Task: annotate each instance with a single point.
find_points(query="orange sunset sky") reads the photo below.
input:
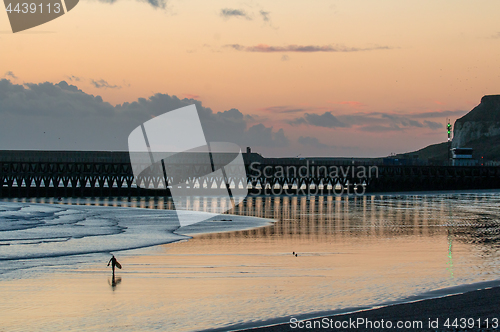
(338, 78)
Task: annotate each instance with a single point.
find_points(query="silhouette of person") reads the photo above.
(114, 263)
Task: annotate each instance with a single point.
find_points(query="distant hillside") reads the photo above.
(435, 151)
(486, 147)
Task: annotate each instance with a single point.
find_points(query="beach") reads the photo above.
(352, 254)
(479, 308)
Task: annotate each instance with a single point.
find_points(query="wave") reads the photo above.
(31, 231)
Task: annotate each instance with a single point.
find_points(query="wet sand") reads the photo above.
(221, 280)
(352, 253)
(480, 304)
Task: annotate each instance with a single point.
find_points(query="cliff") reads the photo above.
(480, 123)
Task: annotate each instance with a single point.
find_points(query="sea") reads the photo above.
(266, 261)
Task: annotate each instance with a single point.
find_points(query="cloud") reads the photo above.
(312, 141)
(297, 121)
(413, 123)
(379, 128)
(102, 84)
(433, 125)
(191, 96)
(260, 135)
(265, 16)
(238, 13)
(282, 109)
(157, 4)
(496, 36)
(48, 116)
(383, 122)
(401, 121)
(379, 121)
(227, 126)
(73, 78)
(438, 114)
(364, 121)
(227, 13)
(263, 48)
(237, 47)
(326, 119)
(10, 74)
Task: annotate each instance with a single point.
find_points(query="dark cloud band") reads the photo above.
(327, 120)
(48, 116)
(102, 84)
(263, 48)
(158, 4)
(227, 13)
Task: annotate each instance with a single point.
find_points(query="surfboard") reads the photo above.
(118, 265)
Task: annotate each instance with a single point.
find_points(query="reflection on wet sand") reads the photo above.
(114, 281)
(471, 219)
(468, 217)
(351, 251)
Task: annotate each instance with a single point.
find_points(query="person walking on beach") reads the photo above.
(114, 263)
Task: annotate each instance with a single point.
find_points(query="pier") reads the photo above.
(109, 174)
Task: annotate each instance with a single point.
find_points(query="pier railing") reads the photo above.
(89, 174)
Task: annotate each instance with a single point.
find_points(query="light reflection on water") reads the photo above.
(352, 251)
(469, 218)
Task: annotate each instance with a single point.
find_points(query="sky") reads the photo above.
(286, 77)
